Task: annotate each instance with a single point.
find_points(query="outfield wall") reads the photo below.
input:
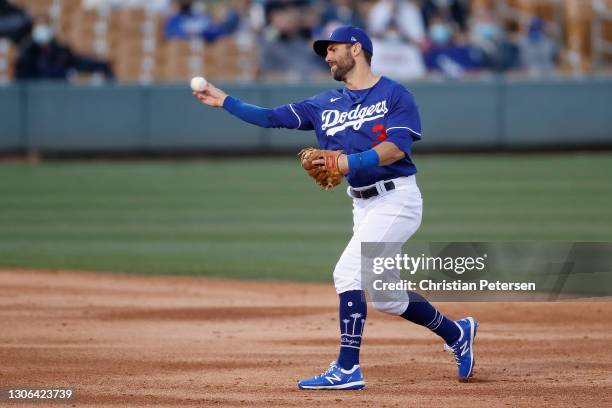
(494, 114)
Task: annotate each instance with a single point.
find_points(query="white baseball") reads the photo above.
(198, 84)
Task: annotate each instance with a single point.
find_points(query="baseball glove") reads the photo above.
(328, 175)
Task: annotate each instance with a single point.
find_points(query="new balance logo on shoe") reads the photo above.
(465, 347)
(333, 378)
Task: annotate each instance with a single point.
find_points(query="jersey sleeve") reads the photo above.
(293, 116)
(403, 123)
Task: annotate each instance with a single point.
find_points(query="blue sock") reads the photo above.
(421, 312)
(353, 313)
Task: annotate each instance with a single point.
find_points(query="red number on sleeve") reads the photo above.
(382, 133)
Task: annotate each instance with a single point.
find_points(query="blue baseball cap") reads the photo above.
(344, 34)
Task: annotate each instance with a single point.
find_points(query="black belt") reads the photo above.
(372, 191)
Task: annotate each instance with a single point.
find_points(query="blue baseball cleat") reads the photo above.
(463, 349)
(335, 378)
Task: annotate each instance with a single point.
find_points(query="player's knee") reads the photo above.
(344, 285)
(345, 281)
(393, 308)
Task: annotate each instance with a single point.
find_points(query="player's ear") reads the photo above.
(356, 49)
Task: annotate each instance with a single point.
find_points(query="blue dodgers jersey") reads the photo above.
(356, 121)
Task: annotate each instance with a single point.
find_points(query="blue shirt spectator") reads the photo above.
(447, 56)
(43, 57)
(190, 21)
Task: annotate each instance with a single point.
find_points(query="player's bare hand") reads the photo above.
(211, 96)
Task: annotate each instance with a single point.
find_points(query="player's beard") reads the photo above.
(344, 65)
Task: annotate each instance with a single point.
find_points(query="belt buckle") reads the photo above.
(363, 194)
(378, 188)
(356, 193)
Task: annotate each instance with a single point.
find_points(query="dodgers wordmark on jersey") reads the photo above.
(357, 120)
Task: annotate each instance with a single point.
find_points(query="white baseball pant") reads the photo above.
(391, 216)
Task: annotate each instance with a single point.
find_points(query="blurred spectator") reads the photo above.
(510, 55)
(447, 55)
(310, 18)
(538, 51)
(191, 21)
(15, 23)
(340, 13)
(397, 59)
(285, 44)
(397, 33)
(397, 16)
(497, 51)
(157, 5)
(247, 16)
(43, 57)
(454, 10)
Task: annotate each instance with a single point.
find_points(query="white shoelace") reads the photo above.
(453, 350)
(332, 365)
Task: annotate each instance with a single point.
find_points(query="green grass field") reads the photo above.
(263, 218)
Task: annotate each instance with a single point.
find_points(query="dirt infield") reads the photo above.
(156, 341)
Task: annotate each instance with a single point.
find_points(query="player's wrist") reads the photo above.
(363, 160)
(343, 165)
(229, 101)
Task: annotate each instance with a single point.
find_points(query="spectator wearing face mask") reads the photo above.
(44, 57)
(191, 21)
(15, 23)
(447, 56)
(497, 51)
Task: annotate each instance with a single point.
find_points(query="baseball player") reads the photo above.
(365, 133)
